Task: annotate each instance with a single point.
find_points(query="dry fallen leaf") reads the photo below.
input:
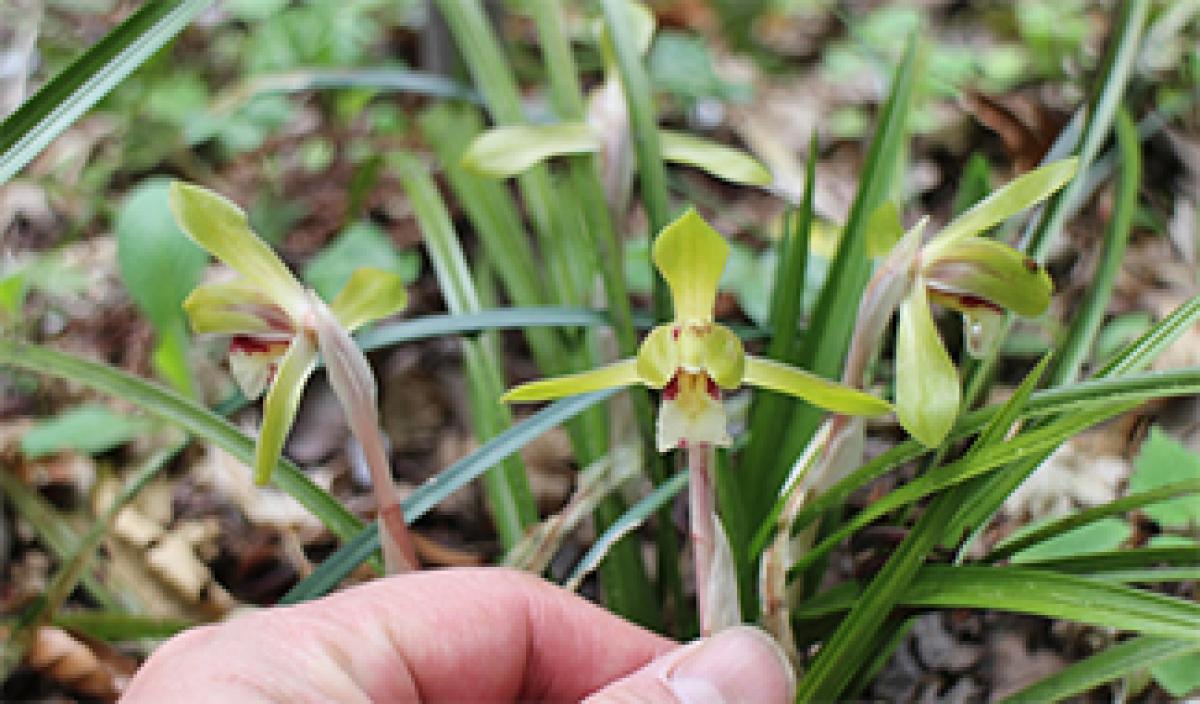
(76, 665)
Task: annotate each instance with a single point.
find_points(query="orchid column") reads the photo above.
(693, 361)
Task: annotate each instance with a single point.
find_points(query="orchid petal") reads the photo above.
(927, 386)
(714, 350)
(977, 272)
(705, 347)
(233, 308)
(506, 151)
(622, 373)
(279, 410)
(786, 379)
(691, 256)
(1022, 192)
(219, 226)
(369, 295)
(658, 357)
(717, 159)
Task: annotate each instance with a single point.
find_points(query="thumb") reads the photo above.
(739, 664)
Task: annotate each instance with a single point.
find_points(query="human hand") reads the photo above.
(461, 635)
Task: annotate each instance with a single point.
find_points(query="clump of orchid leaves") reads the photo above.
(693, 360)
(958, 268)
(278, 328)
(509, 150)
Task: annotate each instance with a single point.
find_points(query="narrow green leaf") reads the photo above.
(1037, 592)
(506, 151)
(1120, 560)
(631, 519)
(184, 413)
(1179, 675)
(1086, 320)
(620, 26)
(359, 547)
(508, 492)
(89, 78)
(824, 347)
(400, 80)
(1114, 662)
(1023, 540)
(116, 627)
(1098, 536)
(91, 429)
(986, 459)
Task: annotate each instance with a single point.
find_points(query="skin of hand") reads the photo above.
(459, 635)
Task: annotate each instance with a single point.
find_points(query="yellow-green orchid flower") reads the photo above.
(277, 326)
(693, 359)
(508, 150)
(981, 278)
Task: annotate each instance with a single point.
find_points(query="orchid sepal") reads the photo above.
(220, 226)
(369, 294)
(928, 394)
(281, 404)
(617, 374)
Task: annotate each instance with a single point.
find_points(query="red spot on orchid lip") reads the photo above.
(1030, 265)
(675, 333)
(960, 299)
(671, 390)
(968, 300)
(248, 344)
(713, 390)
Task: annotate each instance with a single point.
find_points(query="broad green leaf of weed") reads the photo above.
(1162, 460)
(159, 264)
(361, 244)
(1098, 536)
(92, 429)
(1179, 676)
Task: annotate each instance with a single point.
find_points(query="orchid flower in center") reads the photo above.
(693, 360)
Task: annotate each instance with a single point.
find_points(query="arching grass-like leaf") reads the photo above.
(1112, 663)
(68, 95)
(363, 544)
(184, 413)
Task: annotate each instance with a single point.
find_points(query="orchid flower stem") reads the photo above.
(703, 520)
(399, 554)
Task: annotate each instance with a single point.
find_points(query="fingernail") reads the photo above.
(740, 664)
